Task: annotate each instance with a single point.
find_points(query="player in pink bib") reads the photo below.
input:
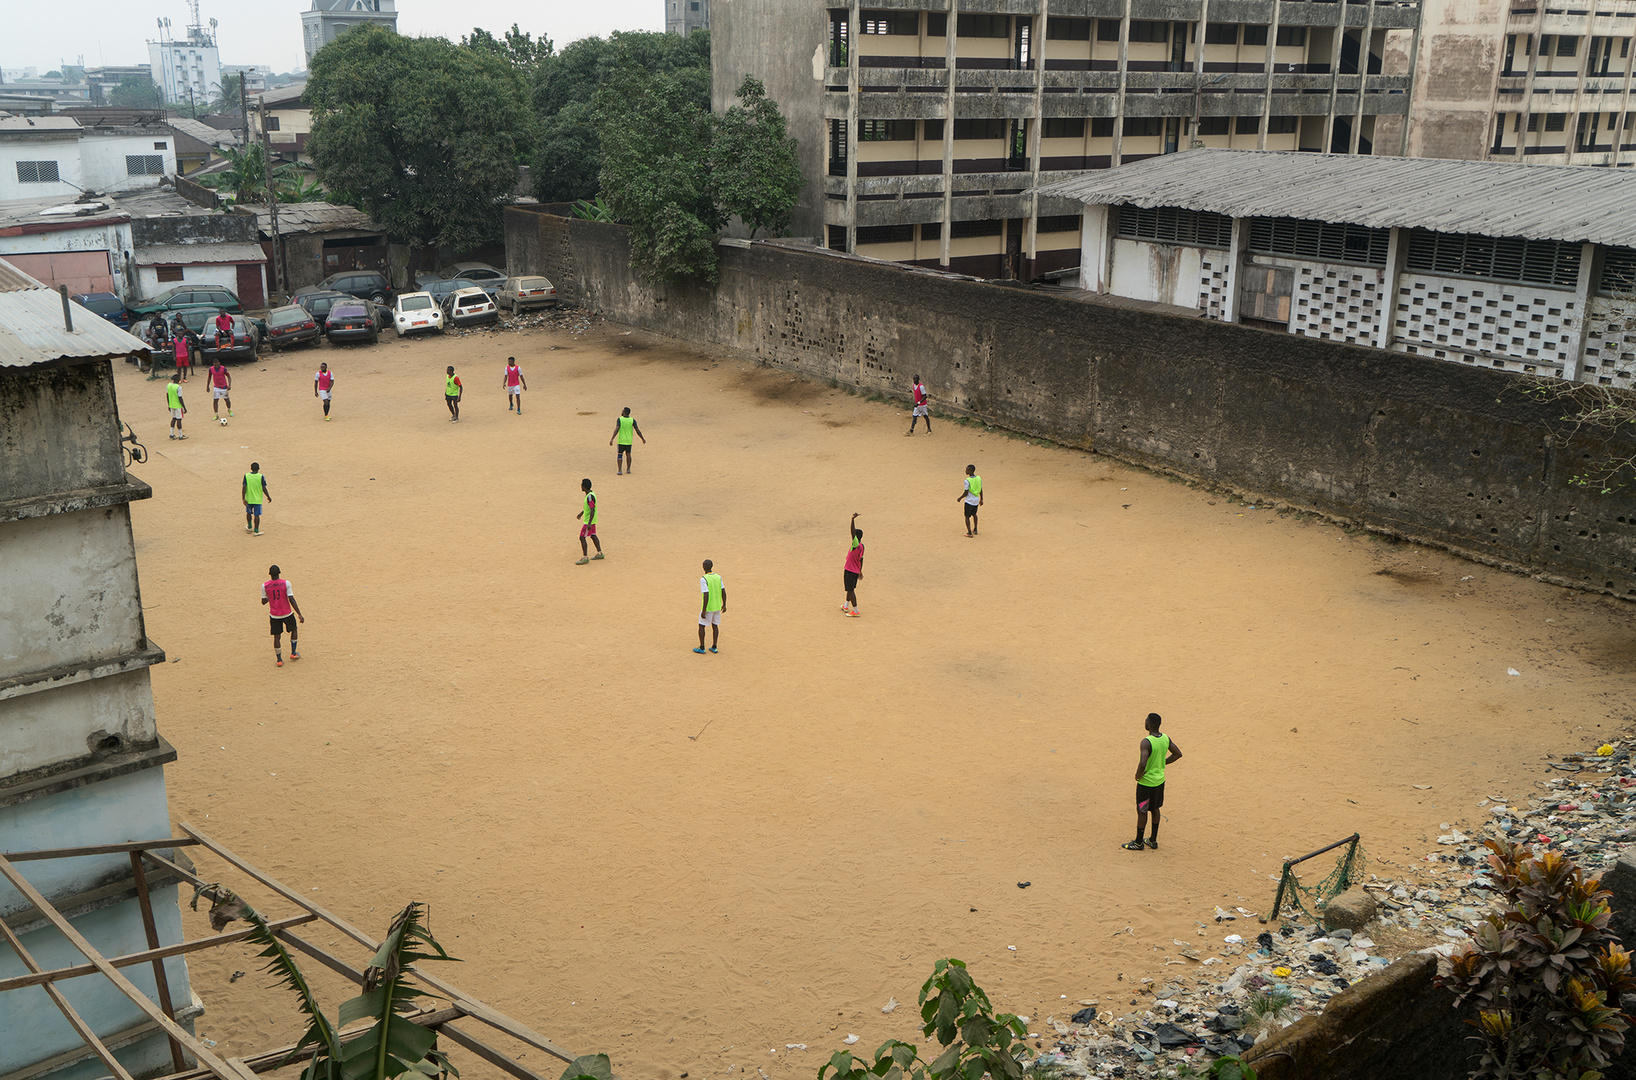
(514, 384)
(221, 389)
(323, 381)
(282, 612)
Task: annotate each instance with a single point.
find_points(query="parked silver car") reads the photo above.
(521, 293)
(469, 307)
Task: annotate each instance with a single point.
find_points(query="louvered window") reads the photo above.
(1618, 272)
(37, 172)
(144, 165)
(1324, 241)
(1174, 225)
(1511, 258)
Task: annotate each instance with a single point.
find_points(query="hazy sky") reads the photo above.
(44, 35)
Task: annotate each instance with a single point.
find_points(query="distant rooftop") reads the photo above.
(32, 330)
(313, 217)
(59, 213)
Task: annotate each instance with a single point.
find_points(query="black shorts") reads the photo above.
(277, 626)
(971, 511)
(850, 579)
(1150, 798)
(623, 448)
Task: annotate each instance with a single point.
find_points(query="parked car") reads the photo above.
(476, 272)
(352, 321)
(291, 325)
(518, 293)
(182, 297)
(469, 307)
(364, 284)
(242, 347)
(442, 287)
(417, 313)
(107, 305)
(318, 301)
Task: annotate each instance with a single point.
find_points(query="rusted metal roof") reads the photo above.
(32, 331)
(314, 217)
(1539, 202)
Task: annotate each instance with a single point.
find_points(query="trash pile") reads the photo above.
(1262, 981)
(569, 320)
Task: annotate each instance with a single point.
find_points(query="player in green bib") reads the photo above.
(712, 603)
(624, 429)
(254, 492)
(1157, 751)
(178, 409)
(587, 530)
(452, 393)
(972, 496)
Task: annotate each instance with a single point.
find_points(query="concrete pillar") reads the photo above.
(1414, 59)
(1584, 291)
(1094, 246)
(852, 128)
(1528, 84)
(1335, 71)
(1386, 321)
(1119, 96)
(1266, 96)
(1624, 105)
(1235, 258)
(948, 130)
(1366, 44)
(1037, 53)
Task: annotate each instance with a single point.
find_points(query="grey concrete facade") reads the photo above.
(923, 125)
(326, 18)
(685, 16)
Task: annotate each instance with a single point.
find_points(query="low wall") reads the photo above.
(1432, 451)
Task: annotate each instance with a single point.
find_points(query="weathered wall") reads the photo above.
(1455, 78)
(194, 229)
(1434, 451)
(58, 430)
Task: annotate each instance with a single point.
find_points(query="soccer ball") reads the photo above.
(223, 419)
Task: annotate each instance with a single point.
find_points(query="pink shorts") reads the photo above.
(587, 530)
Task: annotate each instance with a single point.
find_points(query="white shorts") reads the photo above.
(176, 414)
(323, 395)
(218, 392)
(710, 618)
(515, 391)
(920, 410)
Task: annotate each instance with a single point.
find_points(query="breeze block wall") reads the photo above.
(1437, 452)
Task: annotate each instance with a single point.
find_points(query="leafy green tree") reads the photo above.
(753, 166)
(228, 101)
(245, 177)
(568, 155)
(424, 134)
(656, 173)
(518, 47)
(135, 92)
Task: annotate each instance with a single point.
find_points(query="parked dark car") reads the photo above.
(440, 288)
(291, 325)
(352, 322)
(182, 297)
(202, 322)
(107, 305)
(364, 284)
(318, 301)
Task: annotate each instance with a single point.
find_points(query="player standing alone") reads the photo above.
(514, 385)
(854, 569)
(178, 408)
(712, 605)
(1155, 753)
(624, 428)
(972, 496)
(452, 390)
(588, 529)
(920, 408)
(221, 386)
(323, 384)
(279, 596)
(254, 491)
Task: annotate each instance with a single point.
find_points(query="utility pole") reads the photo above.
(244, 109)
(272, 198)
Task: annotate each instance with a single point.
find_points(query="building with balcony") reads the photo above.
(923, 132)
(1529, 269)
(685, 16)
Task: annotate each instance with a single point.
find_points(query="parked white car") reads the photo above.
(519, 293)
(467, 307)
(416, 313)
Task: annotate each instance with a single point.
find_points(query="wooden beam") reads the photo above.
(340, 967)
(100, 849)
(132, 959)
(215, 1064)
(475, 1009)
(165, 864)
(268, 1060)
(81, 1028)
(488, 1053)
(161, 981)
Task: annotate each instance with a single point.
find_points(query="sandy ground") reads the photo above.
(690, 862)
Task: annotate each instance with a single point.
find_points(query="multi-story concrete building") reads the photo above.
(685, 16)
(922, 129)
(187, 70)
(1522, 81)
(326, 18)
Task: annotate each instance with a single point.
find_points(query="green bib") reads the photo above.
(976, 484)
(449, 387)
(173, 394)
(712, 582)
(1158, 748)
(627, 425)
(253, 493)
(590, 510)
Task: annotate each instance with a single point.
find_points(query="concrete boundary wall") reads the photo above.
(1431, 451)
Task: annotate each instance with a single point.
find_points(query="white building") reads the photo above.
(187, 70)
(1526, 268)
(54, 157)
(327, 18)
(86, 246)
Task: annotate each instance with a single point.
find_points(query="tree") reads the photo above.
(518, 48)
(656, 173)
(228, 101)
(135, 92)
(568, 155)
(245, 177)
(753, 166)
(424, 134)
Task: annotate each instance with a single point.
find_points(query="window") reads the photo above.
(979, 129)
(932, 130)
(1292, 35)
(937, 24)
(160, 145)
(885, 234)
(965, 230)
(1255, 35)
(1554, 122)
(1281, 125)
(983, 26)
(837, 237)
(1147, 30)
(1068, 29)
(169, 273)
(1329, 241)
(1511, 258)
(1215, 125)
(932, 232)
(1101, 127)
(838, 37)
(37, 172)
(1249, 125)
(144, 165)
(1107, 29)
(886, 130)
(693, 5)
(1173, 225)
(1567, 45)
(837, 148)
(1141, 126)
(1065, 223)
(1618, 272)
(1064, 127)
(1221, 34)
(903, 23)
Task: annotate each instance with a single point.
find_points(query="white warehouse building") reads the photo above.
(1527, 268)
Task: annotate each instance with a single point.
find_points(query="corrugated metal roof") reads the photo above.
(31, 326)
(1539, 202)
(39, 125)
(198, 254)
(314, 217)
(203, 132)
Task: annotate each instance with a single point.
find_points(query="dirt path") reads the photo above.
(481, 724)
